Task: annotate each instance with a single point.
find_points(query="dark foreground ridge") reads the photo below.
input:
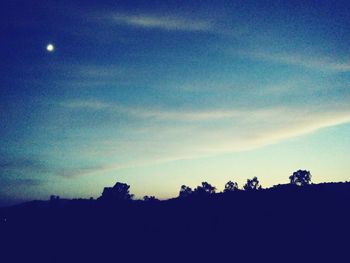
(296, 222)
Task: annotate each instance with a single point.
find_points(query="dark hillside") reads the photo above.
(307, 224)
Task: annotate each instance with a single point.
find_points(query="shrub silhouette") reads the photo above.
(119, 192)
(300, 178)
(185, 191)
(230, 187)
(205, 189)
(54, 198)
(152, 198)
(252, 184)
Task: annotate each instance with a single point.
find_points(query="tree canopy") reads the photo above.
(185, 191)
(300, 178)
(120, 191)
(252, 184)
(205, 188)
(230, 187)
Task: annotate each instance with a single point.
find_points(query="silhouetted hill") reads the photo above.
(283, 223)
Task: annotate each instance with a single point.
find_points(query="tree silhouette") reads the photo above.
(118, 192)
(252, 184)
(185, 191)
(230, 187)
(300, 178)
(152, 198)
(54, 198)
(206, 188)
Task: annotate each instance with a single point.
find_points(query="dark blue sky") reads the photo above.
(162, 93)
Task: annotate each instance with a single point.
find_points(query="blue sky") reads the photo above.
(163, 93)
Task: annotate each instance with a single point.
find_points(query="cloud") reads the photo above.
(183, 115)
(86, 104)
(161, 114)
(187, 134)
(16, 182)
(169, 23)
(320, 63)
(78, 171)
(14, 171)
(20, 171)
(21, 164)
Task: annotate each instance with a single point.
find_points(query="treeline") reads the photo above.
(120, 191)
(294, 222)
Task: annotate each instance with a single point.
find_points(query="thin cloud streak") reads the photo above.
(21, 164)
(161, 114)
(86, 104)
(169, 23)
(321, 63)
(199, 115)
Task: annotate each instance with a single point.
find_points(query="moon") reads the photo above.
(50, 47)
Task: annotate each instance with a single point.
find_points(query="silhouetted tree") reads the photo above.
(118, 192)
(206, 188)
(54, 198)
(185, 191)
(147, 198)
(230, 187)
(300, 178)
(252, 184)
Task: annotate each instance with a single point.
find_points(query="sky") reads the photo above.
(158, 94)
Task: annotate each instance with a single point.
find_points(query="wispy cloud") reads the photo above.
(162, 22)
(161, 114)
(193, 142)
(87, 104)
(72, 172)
(295, 59)
(199, 115)
(195, 134)
(20, 171)
(21, 164)
(16, 182)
